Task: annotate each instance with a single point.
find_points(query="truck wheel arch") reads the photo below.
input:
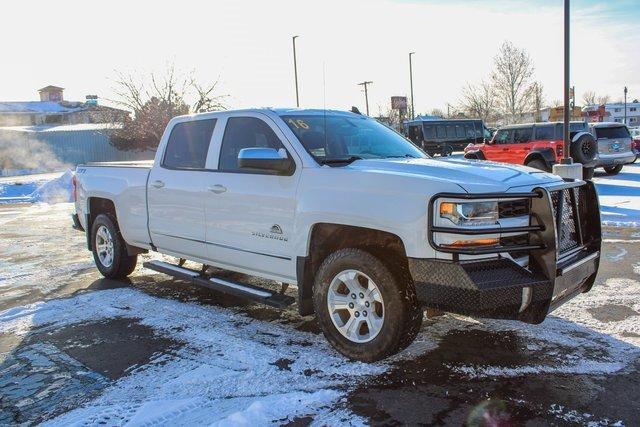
(546, 155)
(101, 205)
(326, 238)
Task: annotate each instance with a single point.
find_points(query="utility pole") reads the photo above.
(366, 95)
(295, 70)
(537, 118)
(625, 105)
(566, 168)
(566, 152)
(411, 83)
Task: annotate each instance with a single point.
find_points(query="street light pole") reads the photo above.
(411, 83)
(566, 154)
(625, 105)
(366, 95)
(295, 70)
(566, 168)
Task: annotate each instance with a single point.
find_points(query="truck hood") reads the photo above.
(474, 176)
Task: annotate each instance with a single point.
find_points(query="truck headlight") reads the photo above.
(465, 214)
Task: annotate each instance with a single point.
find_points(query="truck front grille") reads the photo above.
(514, 208)
(564, 209)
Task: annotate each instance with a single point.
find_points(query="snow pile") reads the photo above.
(57, 190)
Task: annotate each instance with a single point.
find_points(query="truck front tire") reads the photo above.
(109, 249)
(366, 311)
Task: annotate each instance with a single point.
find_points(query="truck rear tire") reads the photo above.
(365, 310)
(109, 249)
(613, 170)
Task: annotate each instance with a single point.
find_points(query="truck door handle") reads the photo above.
(157, 184)
(217, 189)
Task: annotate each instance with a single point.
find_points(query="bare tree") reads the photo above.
(156, 99)
(603, 99)
(206, 100)
(479, 101)
(511, 78)
(589, 98)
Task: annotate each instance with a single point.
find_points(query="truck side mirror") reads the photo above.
(265, 159)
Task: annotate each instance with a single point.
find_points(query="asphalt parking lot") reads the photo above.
(79, 349)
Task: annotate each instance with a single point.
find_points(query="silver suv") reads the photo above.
(614, 146)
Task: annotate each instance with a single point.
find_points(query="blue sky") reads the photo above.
(247, 44)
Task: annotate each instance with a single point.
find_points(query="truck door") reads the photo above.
(250, 214)
(499, 147)
(175, 190)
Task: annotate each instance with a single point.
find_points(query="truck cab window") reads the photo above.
(415, 134)
(245, 132)
(188, 145)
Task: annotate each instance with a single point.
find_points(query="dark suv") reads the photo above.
(444, 136)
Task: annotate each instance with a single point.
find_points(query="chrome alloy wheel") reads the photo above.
(355, 305)
(104, 246)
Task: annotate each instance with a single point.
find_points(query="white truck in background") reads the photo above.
(367, 226)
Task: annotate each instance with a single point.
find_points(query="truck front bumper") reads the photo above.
(500, 288)
(563, 247)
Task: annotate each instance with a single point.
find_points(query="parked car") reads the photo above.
(444, 136)
(615, 147)
(368, 227)
(537, 145)
(635, 145)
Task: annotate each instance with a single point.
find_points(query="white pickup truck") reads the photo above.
(368, 227)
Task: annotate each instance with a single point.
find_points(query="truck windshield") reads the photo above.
(332, 138)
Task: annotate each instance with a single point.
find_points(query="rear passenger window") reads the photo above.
(245, 132)
(188, 144)
(522, 135)
(442, 133)
(545, 133)
(429, 132)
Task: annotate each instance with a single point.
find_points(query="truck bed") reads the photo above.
(145, 164)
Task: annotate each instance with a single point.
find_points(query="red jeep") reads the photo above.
(538, 145)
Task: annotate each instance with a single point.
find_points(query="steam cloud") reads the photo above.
(18, 152)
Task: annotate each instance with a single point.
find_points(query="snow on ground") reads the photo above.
(620, 197)
(231, 370)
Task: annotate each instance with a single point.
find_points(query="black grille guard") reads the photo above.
(553, 276)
